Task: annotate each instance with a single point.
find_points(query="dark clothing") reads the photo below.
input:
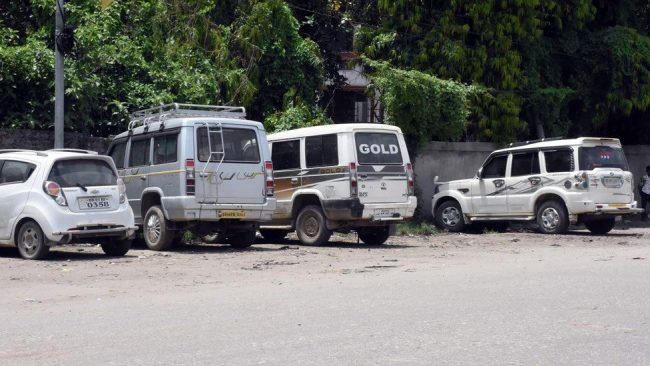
(645, 199)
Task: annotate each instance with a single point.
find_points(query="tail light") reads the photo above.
(122, 189)
(268, 177)
(410, 183)
(53, 189)
(189, 177)
(354, 189)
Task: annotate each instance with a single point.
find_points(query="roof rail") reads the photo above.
(80, 151)
(165, 111)
(6, 151)
(522, 143)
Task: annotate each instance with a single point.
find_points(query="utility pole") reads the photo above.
(59, 90)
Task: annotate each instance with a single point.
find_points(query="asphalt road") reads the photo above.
(511, 298)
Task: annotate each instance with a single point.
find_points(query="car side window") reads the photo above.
(15, 171)
(495, 168)
(322, 151)
(286, 155)
(526, 163)
(139, 154)
(165, 149)
(559, 160)
(117, 152)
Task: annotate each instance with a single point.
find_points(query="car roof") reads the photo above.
(330, 129)
(550, 143)
(48, 155)
(177, 122)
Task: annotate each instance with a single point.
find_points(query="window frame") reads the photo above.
(123, 141)
(560, 148)
(336, 137)
(492, 158)
(534, 153)
(298, 140)
(226, 161)
(153, 147)
(391, 133)
(32, 165)
(148, 156)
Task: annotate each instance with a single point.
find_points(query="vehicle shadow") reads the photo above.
(58, 254)
(333, 244)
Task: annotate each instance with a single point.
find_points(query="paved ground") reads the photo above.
(512, 298)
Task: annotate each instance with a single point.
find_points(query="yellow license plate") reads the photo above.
(617, 205)
(231, 214)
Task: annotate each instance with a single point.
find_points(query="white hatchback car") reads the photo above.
(62, 196)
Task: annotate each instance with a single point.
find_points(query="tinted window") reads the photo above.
(377, 148)
(495, 168)
(117, 153)
(86, 172)
(239, 145)
(525, 164)
(139, 152)
(164, 149)
(601, 157)
(322, 151)
(559, 161)
(286, 155)
(15, 171)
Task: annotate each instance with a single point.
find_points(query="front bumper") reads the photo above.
(186, 208)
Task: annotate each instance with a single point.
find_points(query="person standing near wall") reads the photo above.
(644, 191)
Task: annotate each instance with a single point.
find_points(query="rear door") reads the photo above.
(610, 180)
(89, 184)
(14, 191)
(286, 174)
(381, 167)
(228, 164)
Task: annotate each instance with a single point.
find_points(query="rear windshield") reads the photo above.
(376, 148)
(85, 172)
(240, 145)
(601, 157)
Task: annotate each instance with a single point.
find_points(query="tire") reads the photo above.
(241, 239)
(157, 235)
(31, 241)
(310, 226)
(552, 218)
(600, 227)
(116, 248)
(274, 236)
(374, 235)
(449, 216)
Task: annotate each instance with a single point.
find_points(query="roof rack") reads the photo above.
(80, 151)
(165, 111)
(528, 142)
(7, 151)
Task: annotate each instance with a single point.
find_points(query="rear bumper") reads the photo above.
(120, 232)
(597, 209)
(353, 209)
(186, 208)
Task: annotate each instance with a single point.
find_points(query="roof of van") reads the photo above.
(608, 141)
(333, 128)
(189, 121)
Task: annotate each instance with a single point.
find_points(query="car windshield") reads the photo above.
(602, 157)
(82, 172)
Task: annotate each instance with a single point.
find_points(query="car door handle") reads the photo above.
(363, 176)
(499, 183)
(294, 181)
(203, 174)
(143, 177)
(535, 180)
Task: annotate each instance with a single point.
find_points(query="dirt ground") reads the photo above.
(441, 297)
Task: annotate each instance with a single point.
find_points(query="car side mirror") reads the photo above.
(478, 173)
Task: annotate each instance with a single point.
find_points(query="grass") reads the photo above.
(411, 228)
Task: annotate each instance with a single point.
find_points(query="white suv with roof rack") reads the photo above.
(196, 167)
(62, 196)
(555, 182)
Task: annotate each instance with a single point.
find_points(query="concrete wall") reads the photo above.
(459, 160)
(44, 140)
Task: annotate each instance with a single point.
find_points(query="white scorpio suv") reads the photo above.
(555, 182)
(62, 196)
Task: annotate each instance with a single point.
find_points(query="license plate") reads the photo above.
(612, 182)
(384, 213)
(231, 214)
(94, 203)
(617, 205)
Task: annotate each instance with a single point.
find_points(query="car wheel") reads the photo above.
(157, 235)
(374, 235)
(274, 236)
(116, 248)
(601, 227)
(449, 216)
(31, 241)
(310, 226)
(241, 239)
(552, 218)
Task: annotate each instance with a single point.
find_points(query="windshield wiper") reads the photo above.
(82, 187)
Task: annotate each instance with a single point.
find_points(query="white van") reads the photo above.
(339, 178)
(197, 167)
